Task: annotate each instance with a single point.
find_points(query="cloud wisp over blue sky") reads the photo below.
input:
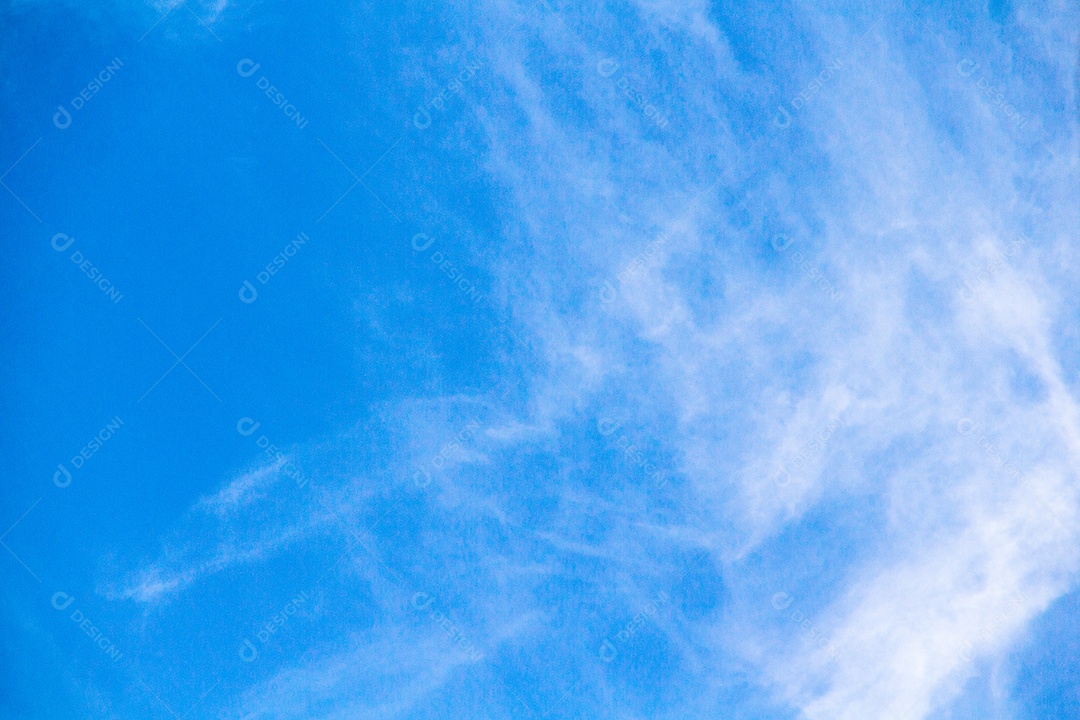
(540, 360)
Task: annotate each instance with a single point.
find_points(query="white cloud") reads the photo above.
(849, 358)
(251, 518)
(707, 330)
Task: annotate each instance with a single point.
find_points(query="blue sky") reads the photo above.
(540, 360)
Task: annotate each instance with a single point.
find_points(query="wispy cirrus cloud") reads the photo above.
(251, 518)
(819, 322)
(753, 347)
